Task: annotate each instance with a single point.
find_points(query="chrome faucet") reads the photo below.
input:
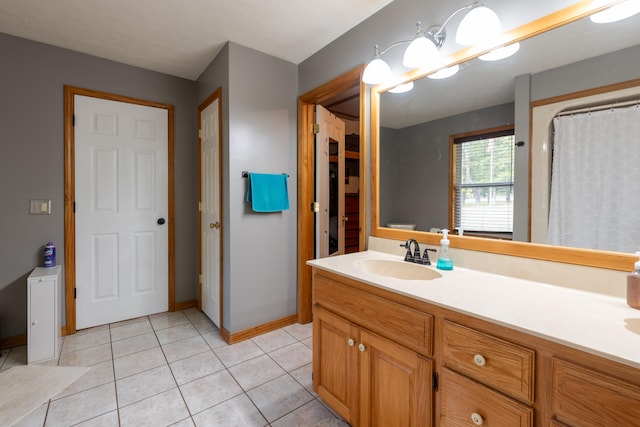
(415, 257)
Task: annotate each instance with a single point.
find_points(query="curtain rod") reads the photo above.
(600, 107)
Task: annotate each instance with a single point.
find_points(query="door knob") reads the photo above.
(215, 225)
(161, 221)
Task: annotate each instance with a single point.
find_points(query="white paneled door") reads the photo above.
(121, 210)
(210, 225)
(330, 219)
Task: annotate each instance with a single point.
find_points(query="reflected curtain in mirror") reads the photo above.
(594, 201)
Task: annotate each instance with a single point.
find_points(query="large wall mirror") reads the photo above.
(566, 60)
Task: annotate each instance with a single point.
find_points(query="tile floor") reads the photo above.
(175, 369)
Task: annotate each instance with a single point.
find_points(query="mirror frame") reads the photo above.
(584, 257)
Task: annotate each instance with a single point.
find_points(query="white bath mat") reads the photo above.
(25, 388)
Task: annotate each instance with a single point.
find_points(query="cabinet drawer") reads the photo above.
(464, 402)
(502, 365)
(582, 397)
(399, 323)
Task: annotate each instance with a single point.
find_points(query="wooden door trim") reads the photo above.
(306, 173)
(69, 195)
(217, 94)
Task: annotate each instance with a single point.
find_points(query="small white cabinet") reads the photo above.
(43, 321)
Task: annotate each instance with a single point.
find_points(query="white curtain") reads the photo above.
(595, 184)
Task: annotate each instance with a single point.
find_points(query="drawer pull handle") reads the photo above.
(351, 342)
(480, 360)
(361, 347)
(477, 419)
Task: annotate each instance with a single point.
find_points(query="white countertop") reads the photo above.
(601, 325)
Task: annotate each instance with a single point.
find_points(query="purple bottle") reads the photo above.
(49, 255)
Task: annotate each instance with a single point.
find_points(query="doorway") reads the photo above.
(131, 263)
(210, 191)
(346, 83)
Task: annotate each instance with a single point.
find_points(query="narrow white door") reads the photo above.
(210, 210)
(121, 208)
(330, 220)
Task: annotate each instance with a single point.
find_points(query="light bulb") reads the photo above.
(445, 72)
(377, 71)
(402, 88)
(617, 12)
(421, 52)
(501, 53)
(480, 24)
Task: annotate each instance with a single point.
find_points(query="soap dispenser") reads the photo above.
(633, 285)
(445, 263)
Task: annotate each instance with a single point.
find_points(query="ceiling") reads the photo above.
(180, 37)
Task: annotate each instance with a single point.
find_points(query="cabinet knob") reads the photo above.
(361, 347)
(34, 323)
(351, 342)
(480, 360)
(477, 419)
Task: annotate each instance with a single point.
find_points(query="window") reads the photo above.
(481, 198)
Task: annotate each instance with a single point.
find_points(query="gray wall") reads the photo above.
(414, 176)
(32, 76)
(259, 254)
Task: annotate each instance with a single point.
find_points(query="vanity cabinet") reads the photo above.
(382, 357)
(583, 397)
(479, 370)
(43, 321)
(367, 378)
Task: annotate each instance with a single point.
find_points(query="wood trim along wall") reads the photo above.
(217, 94)
(232, 338)
(306, 177)
(69, 193)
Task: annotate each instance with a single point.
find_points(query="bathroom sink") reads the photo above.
(398, 269)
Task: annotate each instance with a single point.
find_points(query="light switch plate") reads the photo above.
(40, 207)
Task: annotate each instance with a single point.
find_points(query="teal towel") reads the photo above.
(268, 192)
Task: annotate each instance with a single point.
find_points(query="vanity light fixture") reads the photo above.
(478, 25)
(445, 72)
(501, 53)
(617, 12)
(406, 87)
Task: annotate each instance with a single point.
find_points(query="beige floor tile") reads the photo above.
(176, 333)
(167, 320)
(160, 410)
(109, 419)
(204, 325)
(236, 412)
(128, 330)
(87, 357)
(185, 348)
(194, 367)
(91, 330)
(308, 342)
(128, 322)
(238, 353)
(35, 418)
(99, 374)
(304, 376)
(134, 344)
(187, 422)
(144, 360)
(82, 406)
(143, 385)
(273, 340)
(299, 331)
(81, 341)
(292, 356)
(256, 371)
(214, 339)
(279, 397)
(307, 415)
(206, 392)
(14, 357)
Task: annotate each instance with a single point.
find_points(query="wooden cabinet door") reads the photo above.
(335, 363)
(395, 384)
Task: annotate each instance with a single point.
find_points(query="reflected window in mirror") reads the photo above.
(482, 182)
